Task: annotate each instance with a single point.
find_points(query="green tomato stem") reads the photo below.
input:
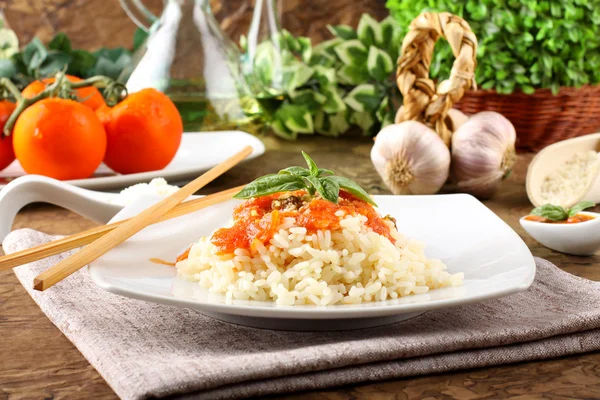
(113, 93)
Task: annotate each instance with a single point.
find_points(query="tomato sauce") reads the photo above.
(571, 220)
(257, 220)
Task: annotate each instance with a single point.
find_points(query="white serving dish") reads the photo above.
(199, 151)
(580, 239)
(458, 229)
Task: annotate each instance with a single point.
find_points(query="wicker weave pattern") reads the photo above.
(542, 118)
(423, 101)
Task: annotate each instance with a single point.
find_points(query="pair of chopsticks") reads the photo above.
(102, 239)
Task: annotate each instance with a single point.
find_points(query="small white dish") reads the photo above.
(580, 239)
(199, 151)
(457, 229)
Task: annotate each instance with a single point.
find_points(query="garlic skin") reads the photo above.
(411, 158)
(457, 118)
(483, 153)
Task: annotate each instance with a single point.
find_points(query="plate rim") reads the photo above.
(337, 311)
(120, 181)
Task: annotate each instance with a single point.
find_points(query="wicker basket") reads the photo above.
(541, 118)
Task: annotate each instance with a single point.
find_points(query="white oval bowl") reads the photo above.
(580, 239)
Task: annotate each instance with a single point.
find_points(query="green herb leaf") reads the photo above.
(312, 166)
(369, 31)
(330, 190)
(582, 205)
(363, 98)
(60, 42)
(269, 184)
(352, 52)
(552, 212)
(353, 188)
(331, 124)
(296, 118)
(298, 171)
(313, 184)
(313, 179)
(379, 64)
(344, 31)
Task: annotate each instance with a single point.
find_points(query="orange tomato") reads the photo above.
(143, 132)
(89, 96)
(7, 155)
(59, 138)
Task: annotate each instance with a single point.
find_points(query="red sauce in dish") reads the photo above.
(256, 219)
(571, 220)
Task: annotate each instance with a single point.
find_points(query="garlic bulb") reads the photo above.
(411, 158)
(457, 118)
(483, 153)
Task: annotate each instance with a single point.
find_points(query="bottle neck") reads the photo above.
(204, 5)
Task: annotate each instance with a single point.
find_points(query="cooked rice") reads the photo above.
(347, 266)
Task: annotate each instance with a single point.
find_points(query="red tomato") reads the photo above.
(143, 132)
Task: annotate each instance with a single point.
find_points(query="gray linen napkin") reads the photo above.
(146, 350)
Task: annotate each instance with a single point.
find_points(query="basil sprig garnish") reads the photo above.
(558, 213)
(312, 179)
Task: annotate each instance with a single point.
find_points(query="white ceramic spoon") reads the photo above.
(97, 206)
(580, 239)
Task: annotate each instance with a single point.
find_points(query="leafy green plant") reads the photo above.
(339, 83)
(312, 179)
(37, 61)
(523, 44)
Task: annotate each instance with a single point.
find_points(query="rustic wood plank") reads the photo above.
(41, 363)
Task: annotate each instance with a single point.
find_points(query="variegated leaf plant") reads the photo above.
(332, 86)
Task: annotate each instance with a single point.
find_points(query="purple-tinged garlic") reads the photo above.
(483, 153)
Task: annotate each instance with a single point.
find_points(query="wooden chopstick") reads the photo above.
(83, 238)
(130, 227)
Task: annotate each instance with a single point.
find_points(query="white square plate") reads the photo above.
(457, 229)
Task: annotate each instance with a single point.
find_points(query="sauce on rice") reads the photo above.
(258, 218)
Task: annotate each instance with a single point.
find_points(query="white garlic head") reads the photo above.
(411, 158)
(483, 153)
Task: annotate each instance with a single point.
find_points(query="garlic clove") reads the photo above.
(457, 119)
(483, 153)
(411, 158)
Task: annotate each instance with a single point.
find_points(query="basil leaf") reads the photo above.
(314, 170)
(269, 184)
(298, 171)
(353, 188)
(314, 185)
(330, 189)
(325, 172)
(552, 212)
(582, 205)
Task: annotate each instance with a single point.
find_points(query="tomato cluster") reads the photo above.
(66, 139)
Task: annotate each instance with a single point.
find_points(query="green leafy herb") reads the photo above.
(312, 179)
(558, 213)
(582, 205)
(523, 45)
(37, 61)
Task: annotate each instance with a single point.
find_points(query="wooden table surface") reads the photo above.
(37, 361)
